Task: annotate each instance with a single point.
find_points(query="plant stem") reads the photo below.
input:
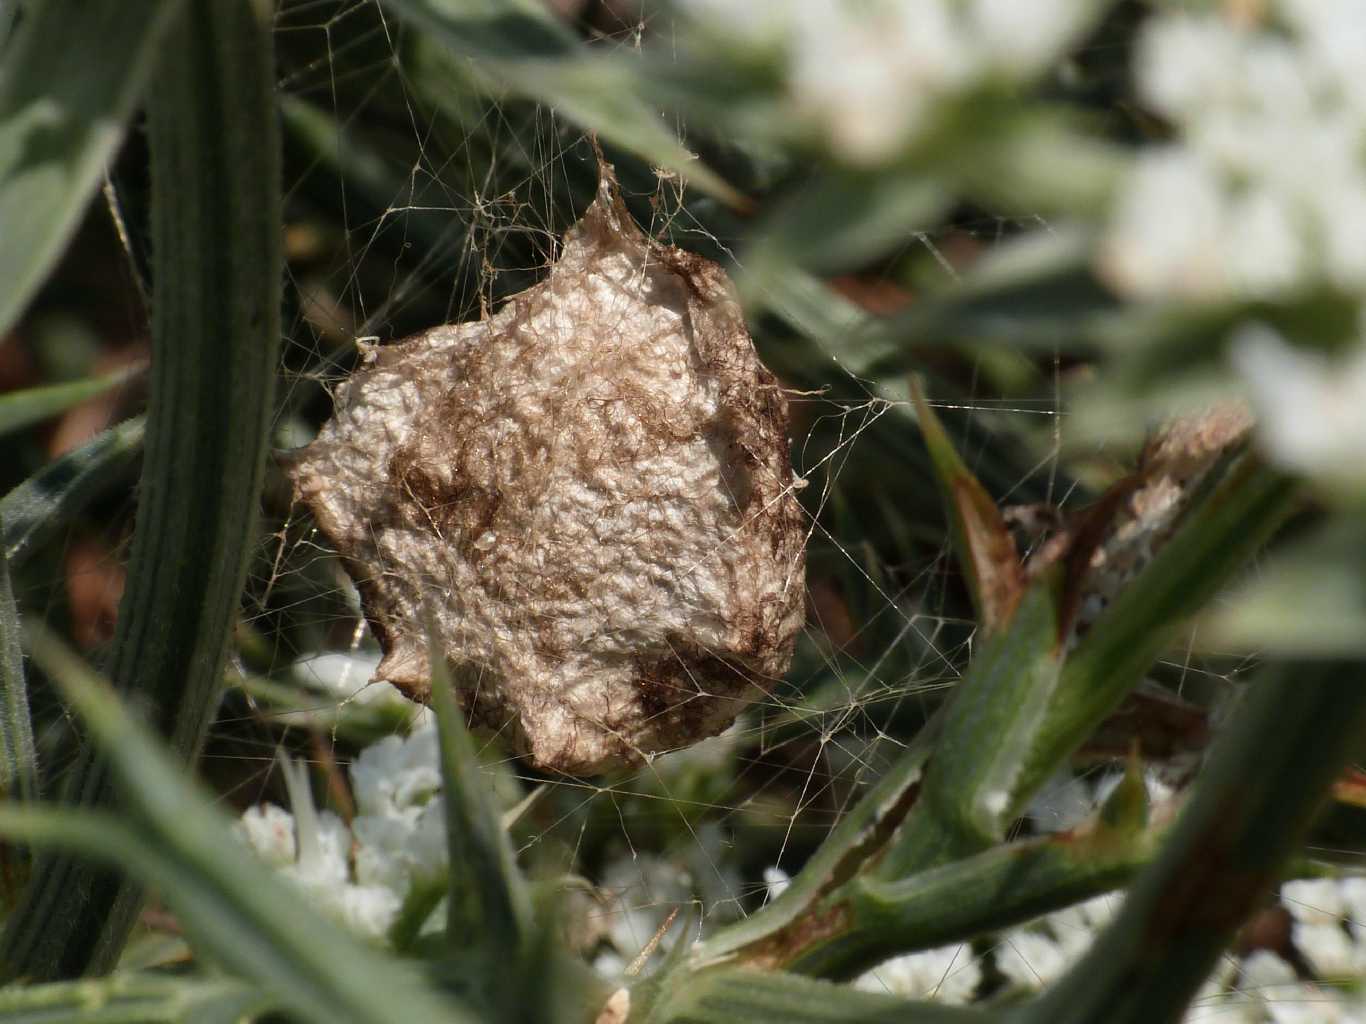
(1252, 808)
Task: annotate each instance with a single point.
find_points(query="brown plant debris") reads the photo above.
(1112, 541)
(591, 490)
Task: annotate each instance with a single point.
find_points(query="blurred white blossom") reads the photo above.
(1264, 191)
(949, 974)
(873, 76)
(1311, 411)
(346, 675)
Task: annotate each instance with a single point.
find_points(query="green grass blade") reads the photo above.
(531, 52)
(213, 129)
(135, 999)
(248, 919)
(20, 409)
(39, 507)
(18, 756)
(1254, 803)
(487, 901)
(69, 80)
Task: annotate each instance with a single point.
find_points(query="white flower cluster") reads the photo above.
(1328, 932)
(361, 874)
(1264, 193)
(871, 76)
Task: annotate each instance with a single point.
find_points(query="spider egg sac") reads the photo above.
(587, 495)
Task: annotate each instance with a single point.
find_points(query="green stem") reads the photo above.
(720, 997)
(216, 240)
(870, 919)
(1256, 800)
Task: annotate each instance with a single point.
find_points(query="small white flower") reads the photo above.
(777, 881)
(1303, 1004)
(1030, 959)
(368, 910)
(1265, 193)
(1166, 237)
(949, 974)
(269, 830)
(1263, 969)
(1314, 900)
(1311, 412)
(398, 776)
(1328, 948)
(1353, 893)
(1187, 63)
(1064, 802)
(1023, 39)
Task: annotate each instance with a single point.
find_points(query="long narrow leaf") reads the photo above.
(41, 505)
(992, 723)
(955, 902)
(487, 897)
(135, 999)
(20, 409)
(69, 82)
(217, 277)
(18, 756)
(529, 51)
(231, 905)
(986, 551)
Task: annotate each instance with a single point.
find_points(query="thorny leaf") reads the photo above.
(986, 550)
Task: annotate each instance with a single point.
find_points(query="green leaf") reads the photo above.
(135, 999)
(250, 920)
(214, 134)
(20, 409)
(985, 549)
(524, 47)
(42, 504)
(69, 81)
(840, 220)
(18, 756)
